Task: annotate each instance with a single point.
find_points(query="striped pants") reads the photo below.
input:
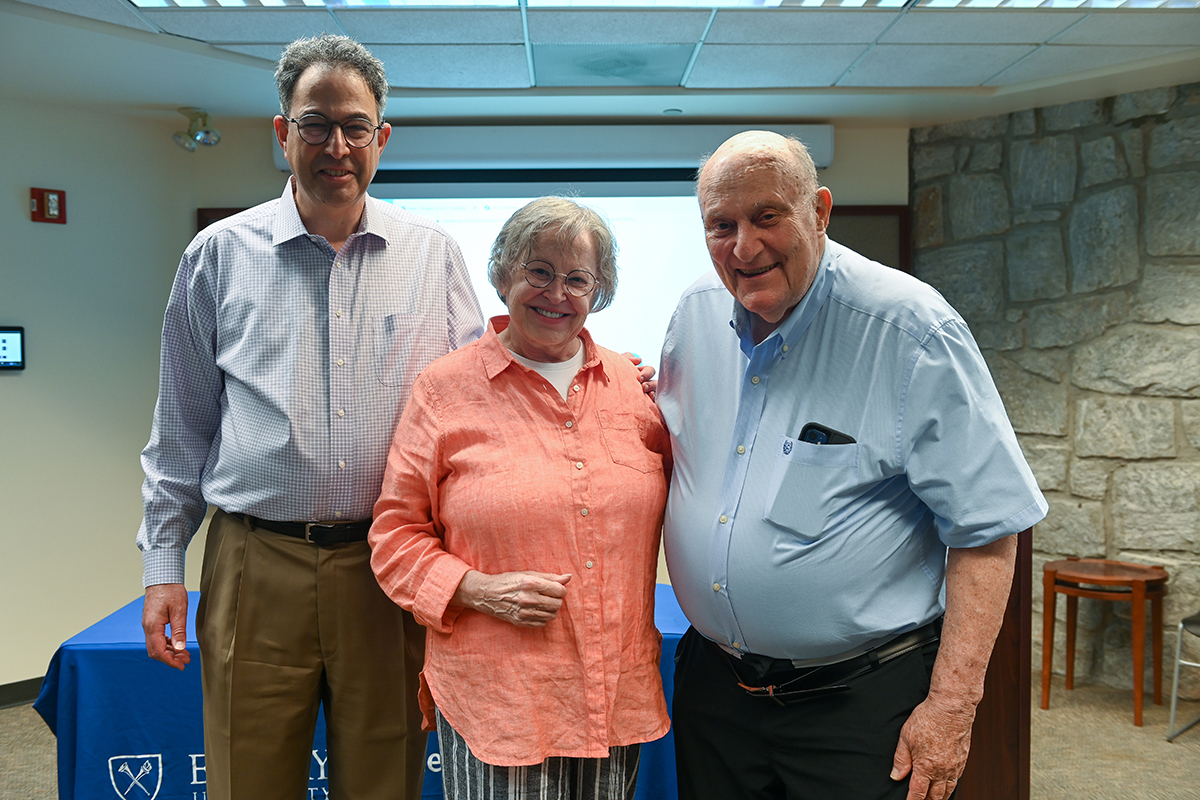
(465, 777)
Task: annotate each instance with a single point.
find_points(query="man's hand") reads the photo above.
(645, 374)
(933, 748)
(166, 604)
(935, 739)
(526, 599)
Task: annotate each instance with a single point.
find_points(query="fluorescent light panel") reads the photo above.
(841, 4)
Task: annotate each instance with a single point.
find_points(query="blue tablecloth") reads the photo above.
(131, 725)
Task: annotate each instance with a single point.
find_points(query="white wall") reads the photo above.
(91, 296)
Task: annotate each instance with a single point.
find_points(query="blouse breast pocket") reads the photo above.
(806, 483)
(624, 437)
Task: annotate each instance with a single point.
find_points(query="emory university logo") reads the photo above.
(141, 776)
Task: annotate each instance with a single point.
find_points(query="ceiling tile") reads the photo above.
(1055, 61)
(799, 26)
(1157, 27)
(270, 52)
(432, 26)
(243, 24)
(124, 72)
(117, 12)
(730, 66)
(610, 64)
(932, 65)
(974, 26)
(616, 27)
(449, 66)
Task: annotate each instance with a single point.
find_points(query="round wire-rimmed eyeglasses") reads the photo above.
(315, 129)
(540, 274)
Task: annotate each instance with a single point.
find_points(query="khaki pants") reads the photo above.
(283, 626)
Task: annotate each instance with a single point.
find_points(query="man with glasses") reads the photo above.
(292, 337)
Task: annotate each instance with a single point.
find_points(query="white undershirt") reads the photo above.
(559, 374)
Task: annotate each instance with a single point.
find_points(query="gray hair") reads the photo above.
(566, 220)
(331, 51)
(795, 161)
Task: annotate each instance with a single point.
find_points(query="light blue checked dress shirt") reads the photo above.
(286, 364)
(813, 552)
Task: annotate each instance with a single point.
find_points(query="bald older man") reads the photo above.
(842, 463)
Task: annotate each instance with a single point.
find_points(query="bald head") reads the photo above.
(764, 222)
(786, 155)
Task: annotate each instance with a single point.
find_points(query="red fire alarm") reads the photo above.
(48, 205)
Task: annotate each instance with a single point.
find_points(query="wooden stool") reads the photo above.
(1109, 580)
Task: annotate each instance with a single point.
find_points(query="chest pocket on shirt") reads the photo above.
(806, 480)
(625, 439)
(394, 335)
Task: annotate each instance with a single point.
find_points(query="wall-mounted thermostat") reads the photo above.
(12, 348)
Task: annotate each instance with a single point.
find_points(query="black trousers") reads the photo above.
(732, 745)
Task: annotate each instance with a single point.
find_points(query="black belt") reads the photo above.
(319, 533)
(788, 682)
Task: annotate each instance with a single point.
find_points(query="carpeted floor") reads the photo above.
(1084, 748)
(27, 756)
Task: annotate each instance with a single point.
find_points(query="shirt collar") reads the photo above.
(799, 318)
(288, 224)
(372, 219)
(497, 358)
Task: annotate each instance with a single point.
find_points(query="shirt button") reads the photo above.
(723, 519)
(341, 465)
(569, 423)
(340, 362)
(337, 514)
(741, 450)
(736, 645)
(341, 412)
(589, 565)
(338, 312)
(754, 380)
(583, 512)
(785, 348)
(578, 465)
(716, 587)
(575, 388)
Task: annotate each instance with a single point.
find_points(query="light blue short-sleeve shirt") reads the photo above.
(784, 548)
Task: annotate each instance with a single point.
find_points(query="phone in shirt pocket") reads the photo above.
(808, 478)
(815, 433)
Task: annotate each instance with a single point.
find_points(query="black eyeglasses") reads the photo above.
(315, 129)
(540, 274)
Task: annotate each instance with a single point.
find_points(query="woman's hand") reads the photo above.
(526, 599)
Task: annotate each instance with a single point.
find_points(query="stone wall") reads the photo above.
(1069, 238)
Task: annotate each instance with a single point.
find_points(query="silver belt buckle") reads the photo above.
(308, 526)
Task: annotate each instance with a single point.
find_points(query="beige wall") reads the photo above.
(91, 296)
(870, 167)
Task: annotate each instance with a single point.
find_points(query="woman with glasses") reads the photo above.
(519, 521)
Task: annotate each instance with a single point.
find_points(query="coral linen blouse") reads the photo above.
(490, 469)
